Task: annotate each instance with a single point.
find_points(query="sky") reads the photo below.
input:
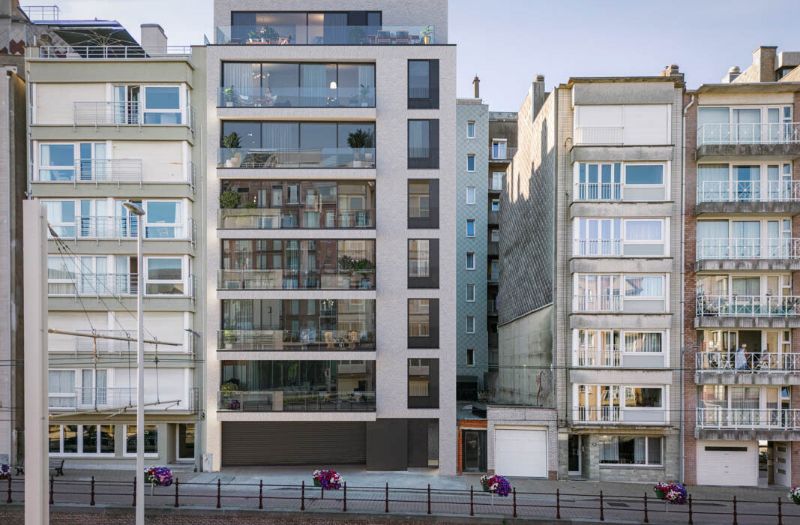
(508, 42)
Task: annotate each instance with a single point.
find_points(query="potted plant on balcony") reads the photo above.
(362, 268)
(229, 339)
(228, 390)
(231, 143)
(358, 141)
(228, 94)
(427, 35)
(229, 199)
(363, 96)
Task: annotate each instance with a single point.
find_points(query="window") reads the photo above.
(640, 397)
(495, 236)
(423, 203)
(497, 180)
(630, 450)
(61, 217)
(470, 357)
(644, 174)
(470, 197)
(643, 341)
(471, 162)
(164, 276)
(56, 162)
(644, 286)
(470, 261)
(163, 220)
(162, 105)
(423, 144)
(423, 263)
(499, 149)
(470, 292)
(423, 84)
(644, 230)
(423, 383)
(61, 391)
(470, 324)
(423, 323)
(495, 205)
(471, 129)
(150, 439)
(185, 442)
(81, 439)
(470, 227)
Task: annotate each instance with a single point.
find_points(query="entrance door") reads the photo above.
(474, 450)
(782, 464)
(574, 455)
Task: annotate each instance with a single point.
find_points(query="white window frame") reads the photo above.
(473, 190)
(471, 125)
(125, 452)
(177, 226)
(646, 464)
(498, 175)
(627, 222)
(623, 396)
(623, 286)
(664, 178)
(147, 281)
(80, 452)
(143, 110)
(474, 228)
(467, 288)
(472, 157)
(498, 143)
(466, 261)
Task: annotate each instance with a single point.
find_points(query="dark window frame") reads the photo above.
(432, 340)
(432, 399)
(432, 101)
(432, 281)
(432, 160)
(432, 220)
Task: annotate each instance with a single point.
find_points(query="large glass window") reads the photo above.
(636, 174)
(631, 450)
(423, 383)
(643, 341)
(423, 144)
(150, 439)
(164, 276)
(423, 263)
(162, 105)
(423, 84)
(81, 439)
(61, 389)
(423, 323)
(641, 397)
(56, 162)
(423, 203)
(163, 220)
(314, 28)
(644, 286)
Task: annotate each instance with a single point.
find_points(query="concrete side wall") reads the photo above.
(525, 375)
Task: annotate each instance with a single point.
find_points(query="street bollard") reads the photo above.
(558, 504)
(91, 492)
(602, 515)
(735, 517)
(134, 493)
(646, 519)
(387, 497)
(51, 490)
(177, 503)
(261, 494)
(429, 498)
(514, 493)
(691, 518)
(471, 505)
(8, 500)
(344, 499)
(780, 513)
(219, 493)
(303, 495)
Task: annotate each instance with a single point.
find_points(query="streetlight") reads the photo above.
(138, 211)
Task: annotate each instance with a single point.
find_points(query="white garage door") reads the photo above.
(727, 463)
(520, 452)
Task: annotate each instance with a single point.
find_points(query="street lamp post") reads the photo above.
(137, 211)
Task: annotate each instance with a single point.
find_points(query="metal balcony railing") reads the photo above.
(119, 228)
(102, 345)
(597, 303)
(295, 401)
(611, 135)
(594, 356)
(115, 398)
(287, 279)
(750, 362)
(732, 248)
(606, 414)
(594, 191)
(95, 171)
(263, 158)
(749, 133)
(300, 218)
(747, 306)
(748, 418)
(122, 52)
(295, 340)
(598, 247)
(748, 191)
(296, 97)
(113, 285)
(125, 114)
(294, 34)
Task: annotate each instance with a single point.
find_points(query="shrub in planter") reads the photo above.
(229, 199)
(794, 495)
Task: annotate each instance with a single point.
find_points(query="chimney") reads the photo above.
(764, 63)
(671, 70)
(732, 74)
(154, 40)
(476, 86)
(538, 94)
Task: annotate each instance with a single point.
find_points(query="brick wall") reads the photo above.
(691, 339)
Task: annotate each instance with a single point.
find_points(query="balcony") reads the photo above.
(599, 135)
(613, 357)
(616, 192)
(617, 248)
(748, 254)
(295, 401)
(332, 35)
(491, 308)
(494, 218)
(95, 171)
(121, 52)
(261, 158)
(295, 340)
(125, 114)
(106, 399)
(611, 303)
(277, 219)
(493, 249)
(501, 154)
(752, 368)
(743, 423)
(296, 97)
(288, 279)
(747, 311)
(113, 342)
(748, 197)
(118, 229)
(616, 415)
(115, 285)
(771, 139)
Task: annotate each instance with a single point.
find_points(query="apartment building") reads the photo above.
(742, 387)
(112, 121)
(331, 295)
(597, 184)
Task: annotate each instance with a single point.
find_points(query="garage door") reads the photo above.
(727, 463)
(520, 452)
(293, 443)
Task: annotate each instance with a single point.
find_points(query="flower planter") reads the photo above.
(794, 495)
(5, 471)
(496, 484)
(327, 479)
(674, 493)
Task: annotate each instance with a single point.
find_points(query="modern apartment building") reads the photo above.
(112, 120)
(742, 387)
(331, 290)
(591, 268)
